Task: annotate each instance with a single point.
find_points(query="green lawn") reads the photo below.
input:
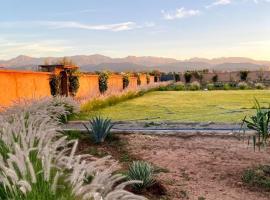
(187, 106)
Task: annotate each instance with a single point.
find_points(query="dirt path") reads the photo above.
(206, 167)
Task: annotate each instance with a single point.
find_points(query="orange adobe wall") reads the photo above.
(89, 87)
(115, 83)
(143, 79)
(16, 85)
(152, 79)
(132, 83)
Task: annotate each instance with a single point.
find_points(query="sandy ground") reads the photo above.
(208, 167)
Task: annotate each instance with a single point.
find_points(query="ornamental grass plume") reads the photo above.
(38, 162)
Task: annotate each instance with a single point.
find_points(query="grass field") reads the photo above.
(187, 106)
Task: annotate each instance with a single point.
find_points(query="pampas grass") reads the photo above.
(38, 162)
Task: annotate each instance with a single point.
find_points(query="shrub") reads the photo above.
(141, 171)
(258, 177)
(210, 86)
(179, 86)
(259, 86)
(125, 80)
(260, 123)
(55, 84)
(215, 78)
(69, 105)
(218, 85)
(242, 85)
(244, 75)
(195, 86)
(188, 77)
(147, 78)
(74, 84)
(227, 86)
(100, 128)
(164, 88)
(103, 81)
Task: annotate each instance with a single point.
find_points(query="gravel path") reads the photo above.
(167, 128)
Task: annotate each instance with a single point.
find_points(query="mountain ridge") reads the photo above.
(97, 62)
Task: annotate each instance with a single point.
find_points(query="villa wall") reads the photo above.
(15, 85)
(132, 83)
(233, 76)
(143, 79)
(115, 84)
(152, 79)
(89, 87)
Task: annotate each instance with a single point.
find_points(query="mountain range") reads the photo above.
(90, 63)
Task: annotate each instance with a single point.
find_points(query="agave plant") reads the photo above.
(142, 171)
(259, 123)
(100, 128)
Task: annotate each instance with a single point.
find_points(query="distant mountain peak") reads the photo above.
(142, 63)
(20, 57)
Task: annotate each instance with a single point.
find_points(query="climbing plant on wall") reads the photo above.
(177, 77)
(244, 75)
(55, 85)
(187, 76)
(103, 81)
(74, 83)
(138, 75)
(215, 78)
(147, 78)
(125, 80)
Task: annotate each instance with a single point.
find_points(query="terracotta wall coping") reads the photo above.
(23, 72)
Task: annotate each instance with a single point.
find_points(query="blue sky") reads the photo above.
(168, 28)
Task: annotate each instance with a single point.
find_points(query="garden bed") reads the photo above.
(117, 147)
(201, 167)
(189, 168)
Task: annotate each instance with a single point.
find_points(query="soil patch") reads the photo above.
(200, 167)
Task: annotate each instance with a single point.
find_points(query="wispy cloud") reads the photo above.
(124, 26)
(258, 1)
(219, 3)
(74, 12)
(180, 13)
(77, 25)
